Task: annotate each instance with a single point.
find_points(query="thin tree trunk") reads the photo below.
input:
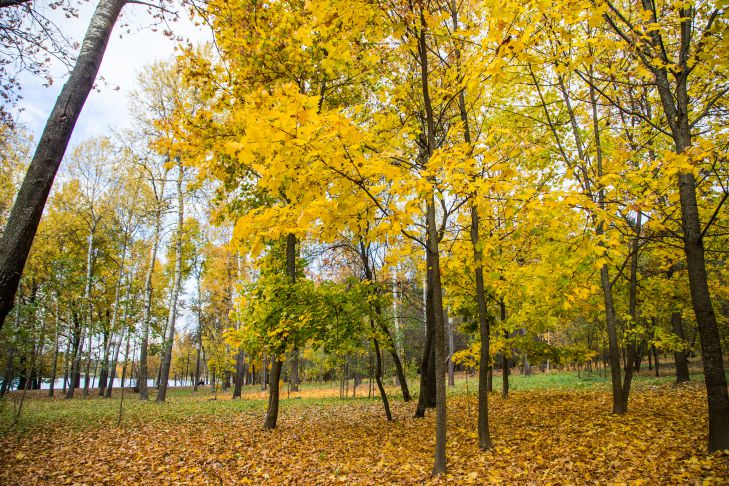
(112, 374)
(273, 397)
(633, 356)
(504, 356)
(76, 361)
(682, 372)
(378, 377)
(54, 364)
(124, 373)
(143, 375)
(87, 368)
(107, 346)
(239, 373)
(172, 316)
(426, 397)
(294, 378)
(451, 350)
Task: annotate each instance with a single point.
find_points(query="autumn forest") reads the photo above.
(370, 242)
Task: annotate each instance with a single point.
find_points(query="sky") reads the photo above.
(106, 108)
(127, 53)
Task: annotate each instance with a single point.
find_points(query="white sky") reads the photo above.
(125, 56)
(106, 108)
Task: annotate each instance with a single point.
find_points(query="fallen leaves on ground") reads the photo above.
(540, 437)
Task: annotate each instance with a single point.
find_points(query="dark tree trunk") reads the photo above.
(25, 216)
(104, 374)
(378, 377)
(680, 356)
(399, 372)
(239, 373)
(676, 109)
(9, 372)
(272, 411)
(484, 365)
(75, 380)
(426, 398)
(505, 368)
(54, 364)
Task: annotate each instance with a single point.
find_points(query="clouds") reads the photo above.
(135, 43)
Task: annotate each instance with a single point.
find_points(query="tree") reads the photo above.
(22, 224)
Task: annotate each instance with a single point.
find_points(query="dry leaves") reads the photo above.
(540, 437)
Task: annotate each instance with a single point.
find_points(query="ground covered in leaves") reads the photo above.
(541, 436)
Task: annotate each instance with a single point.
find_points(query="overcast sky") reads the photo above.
(125, 57)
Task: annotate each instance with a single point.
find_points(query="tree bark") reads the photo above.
(143, 375)
(272, 411)
(54, 364)
(426, 397)
(172, 315)
(112, 374)
(505, 366)
(680, 356)
(432, 246)
(25, 216)
(451, 349)
(273, 396)
(378, 376)
(484, 360)
(239, 373)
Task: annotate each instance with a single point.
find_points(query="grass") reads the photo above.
(183, 404)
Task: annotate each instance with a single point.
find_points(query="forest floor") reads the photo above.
(553, 428)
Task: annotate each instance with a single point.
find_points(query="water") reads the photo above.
(94, 383)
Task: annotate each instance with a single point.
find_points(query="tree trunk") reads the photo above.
(9, 372)
(76, 361)
(399, 371)
(633, 356)
(676, 108)
(439, 465)
(239, 373)
(66, 360)
(143, 375)
(107, 351)
(484, 365)
(378, 377)
(294, 378)
(680, 356)
(272, 412)
(172, 315)
(391, 342)
(505, 366)
(451, 350)
(273, 395)
(426, 397)
(711, 353)
(54, 364)
(87, 368)
(25, 216)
